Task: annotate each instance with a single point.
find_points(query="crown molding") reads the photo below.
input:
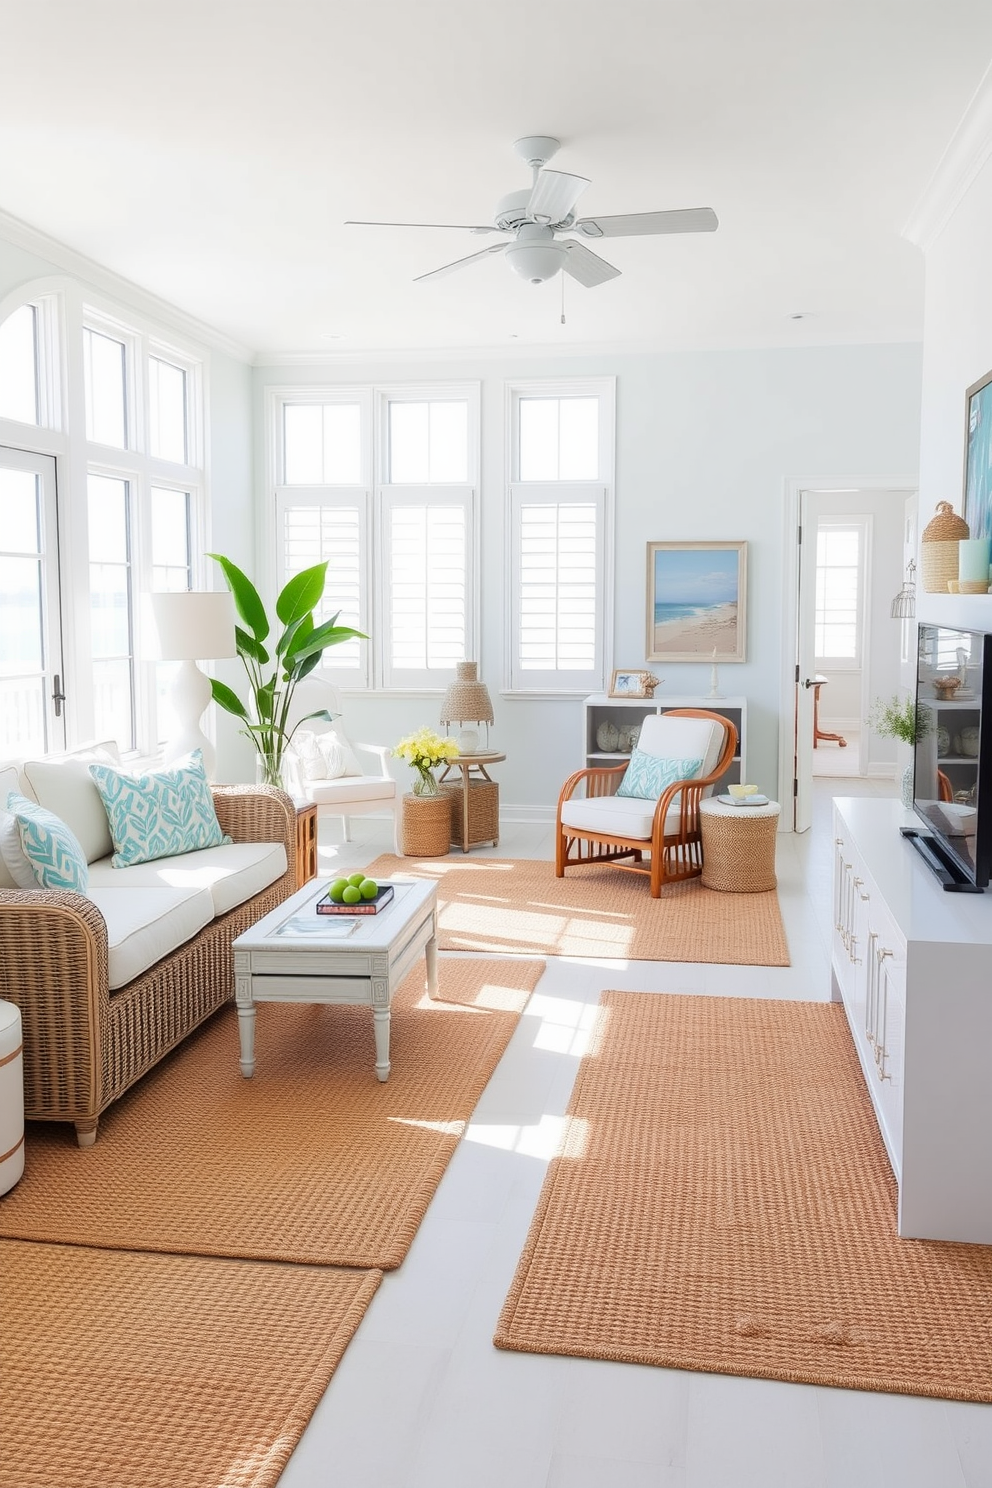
(33, 240)
(969, 148)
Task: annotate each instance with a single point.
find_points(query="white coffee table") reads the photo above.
(295, 955)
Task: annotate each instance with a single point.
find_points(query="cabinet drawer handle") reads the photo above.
(881, 1052)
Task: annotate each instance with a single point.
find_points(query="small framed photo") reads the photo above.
(697, 596)
(625, 684)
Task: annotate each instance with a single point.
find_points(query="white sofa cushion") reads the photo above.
(64, 786)
(145, 924)
(351, 788)
(691, 738)
(229, 874)
(628, 816)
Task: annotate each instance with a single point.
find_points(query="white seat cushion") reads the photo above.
(628, 816)
(145, 924)
(229, 874)
(350, 788)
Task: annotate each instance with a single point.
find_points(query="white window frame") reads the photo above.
(345, 678)
(379, 673)
(600, 492)
(863, 524)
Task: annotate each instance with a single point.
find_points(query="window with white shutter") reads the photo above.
(560, 535)
(427, 545)
(317, 524)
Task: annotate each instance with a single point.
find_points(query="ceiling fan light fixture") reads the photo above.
(535, 262)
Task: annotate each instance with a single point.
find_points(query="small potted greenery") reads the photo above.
(297, 651)
(899, 718)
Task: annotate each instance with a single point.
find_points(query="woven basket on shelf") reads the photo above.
(426, 826)
(939, 548)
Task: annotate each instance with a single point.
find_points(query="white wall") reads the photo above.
(957, 352)
(705, 442)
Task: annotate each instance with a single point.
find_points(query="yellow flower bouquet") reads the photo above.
(424, 751)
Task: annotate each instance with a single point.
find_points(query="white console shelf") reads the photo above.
(913, 966)
(602, 709)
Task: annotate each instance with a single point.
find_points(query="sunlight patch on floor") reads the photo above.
(551, 1136)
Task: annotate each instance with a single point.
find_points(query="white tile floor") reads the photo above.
(422, 1399)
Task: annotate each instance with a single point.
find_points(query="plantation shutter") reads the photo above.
(317, 525)
(557, 589)
(429, 599)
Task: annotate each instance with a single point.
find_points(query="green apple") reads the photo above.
(368, 888)
(352, 894)
(337, 889)
(356, 880)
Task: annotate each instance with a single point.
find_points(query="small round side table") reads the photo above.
(426, 826)
(11, 1096)
(738, 846)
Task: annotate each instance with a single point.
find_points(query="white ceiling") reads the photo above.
(211, 150)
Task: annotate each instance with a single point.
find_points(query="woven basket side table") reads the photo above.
(738, 846)
(426, 826)
(483, 813)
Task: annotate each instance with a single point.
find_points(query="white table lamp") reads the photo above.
(192, 627)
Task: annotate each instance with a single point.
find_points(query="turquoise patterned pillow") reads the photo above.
(53, 851)
(649, 774)
(161, 814)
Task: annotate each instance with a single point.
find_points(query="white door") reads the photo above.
(32, 712)
(805, 672)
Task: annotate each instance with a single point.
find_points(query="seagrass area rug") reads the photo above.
(723, 1202)
(123, 1370)
(311, 1160)
(497, 905)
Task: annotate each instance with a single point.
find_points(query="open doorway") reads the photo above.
(850, 554)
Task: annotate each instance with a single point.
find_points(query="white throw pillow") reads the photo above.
(65, 787)
(304, 746)
(334, 746)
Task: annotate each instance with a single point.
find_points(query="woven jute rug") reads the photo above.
(311, 1160)
(122, 1369)
(497, 905)
(723, 1202)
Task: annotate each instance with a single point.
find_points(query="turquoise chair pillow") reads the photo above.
(52, 851)
(648, 775)
(161, 814)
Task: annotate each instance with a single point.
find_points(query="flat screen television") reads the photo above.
(952, 765)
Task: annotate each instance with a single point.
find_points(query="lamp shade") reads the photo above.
(467, 699)
(195, 625)
(904, 604)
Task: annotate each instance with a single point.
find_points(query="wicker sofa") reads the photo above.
(88, 1035)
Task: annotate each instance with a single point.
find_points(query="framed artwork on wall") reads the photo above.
(978, 457)
(697, 601)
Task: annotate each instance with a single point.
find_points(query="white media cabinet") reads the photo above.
(913, 966)
(601, 709)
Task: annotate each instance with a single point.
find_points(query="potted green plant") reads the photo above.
(899, 718)
(296, 653)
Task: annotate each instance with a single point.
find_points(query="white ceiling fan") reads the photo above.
(534, 220)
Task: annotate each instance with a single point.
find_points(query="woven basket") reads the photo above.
(426, 826)
(739, 852)
(483, 812)
(939, 548)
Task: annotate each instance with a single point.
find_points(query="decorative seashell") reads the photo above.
(633, 733)
(943, 740)
(969, 742)
(608, 737)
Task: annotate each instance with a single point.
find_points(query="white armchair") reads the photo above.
(322, 764)
(598, 826)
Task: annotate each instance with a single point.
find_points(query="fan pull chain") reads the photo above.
(563, 299)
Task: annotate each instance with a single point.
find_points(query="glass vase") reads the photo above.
(426, 783)
(269, 770)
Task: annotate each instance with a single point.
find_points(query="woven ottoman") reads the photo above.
(11, 1097)
(426, 826)
(738, 846)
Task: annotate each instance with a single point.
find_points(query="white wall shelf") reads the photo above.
(624, 713)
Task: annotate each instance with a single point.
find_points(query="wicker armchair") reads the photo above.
(600, 828)
(84, 1045)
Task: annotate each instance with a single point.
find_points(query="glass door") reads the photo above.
(32, 700)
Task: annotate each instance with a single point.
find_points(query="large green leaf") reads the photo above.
(302, 593)
(226, 699)
(264, 701)
(246, 597)
(295, 634)
(248, 646)
(320, 641)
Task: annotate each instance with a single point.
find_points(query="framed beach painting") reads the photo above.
(697, 594)
(978, 457)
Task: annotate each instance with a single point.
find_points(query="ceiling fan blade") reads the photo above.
(587, 267)
(459, 262)
(636, 224)
(554, 195)
(455, 226)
